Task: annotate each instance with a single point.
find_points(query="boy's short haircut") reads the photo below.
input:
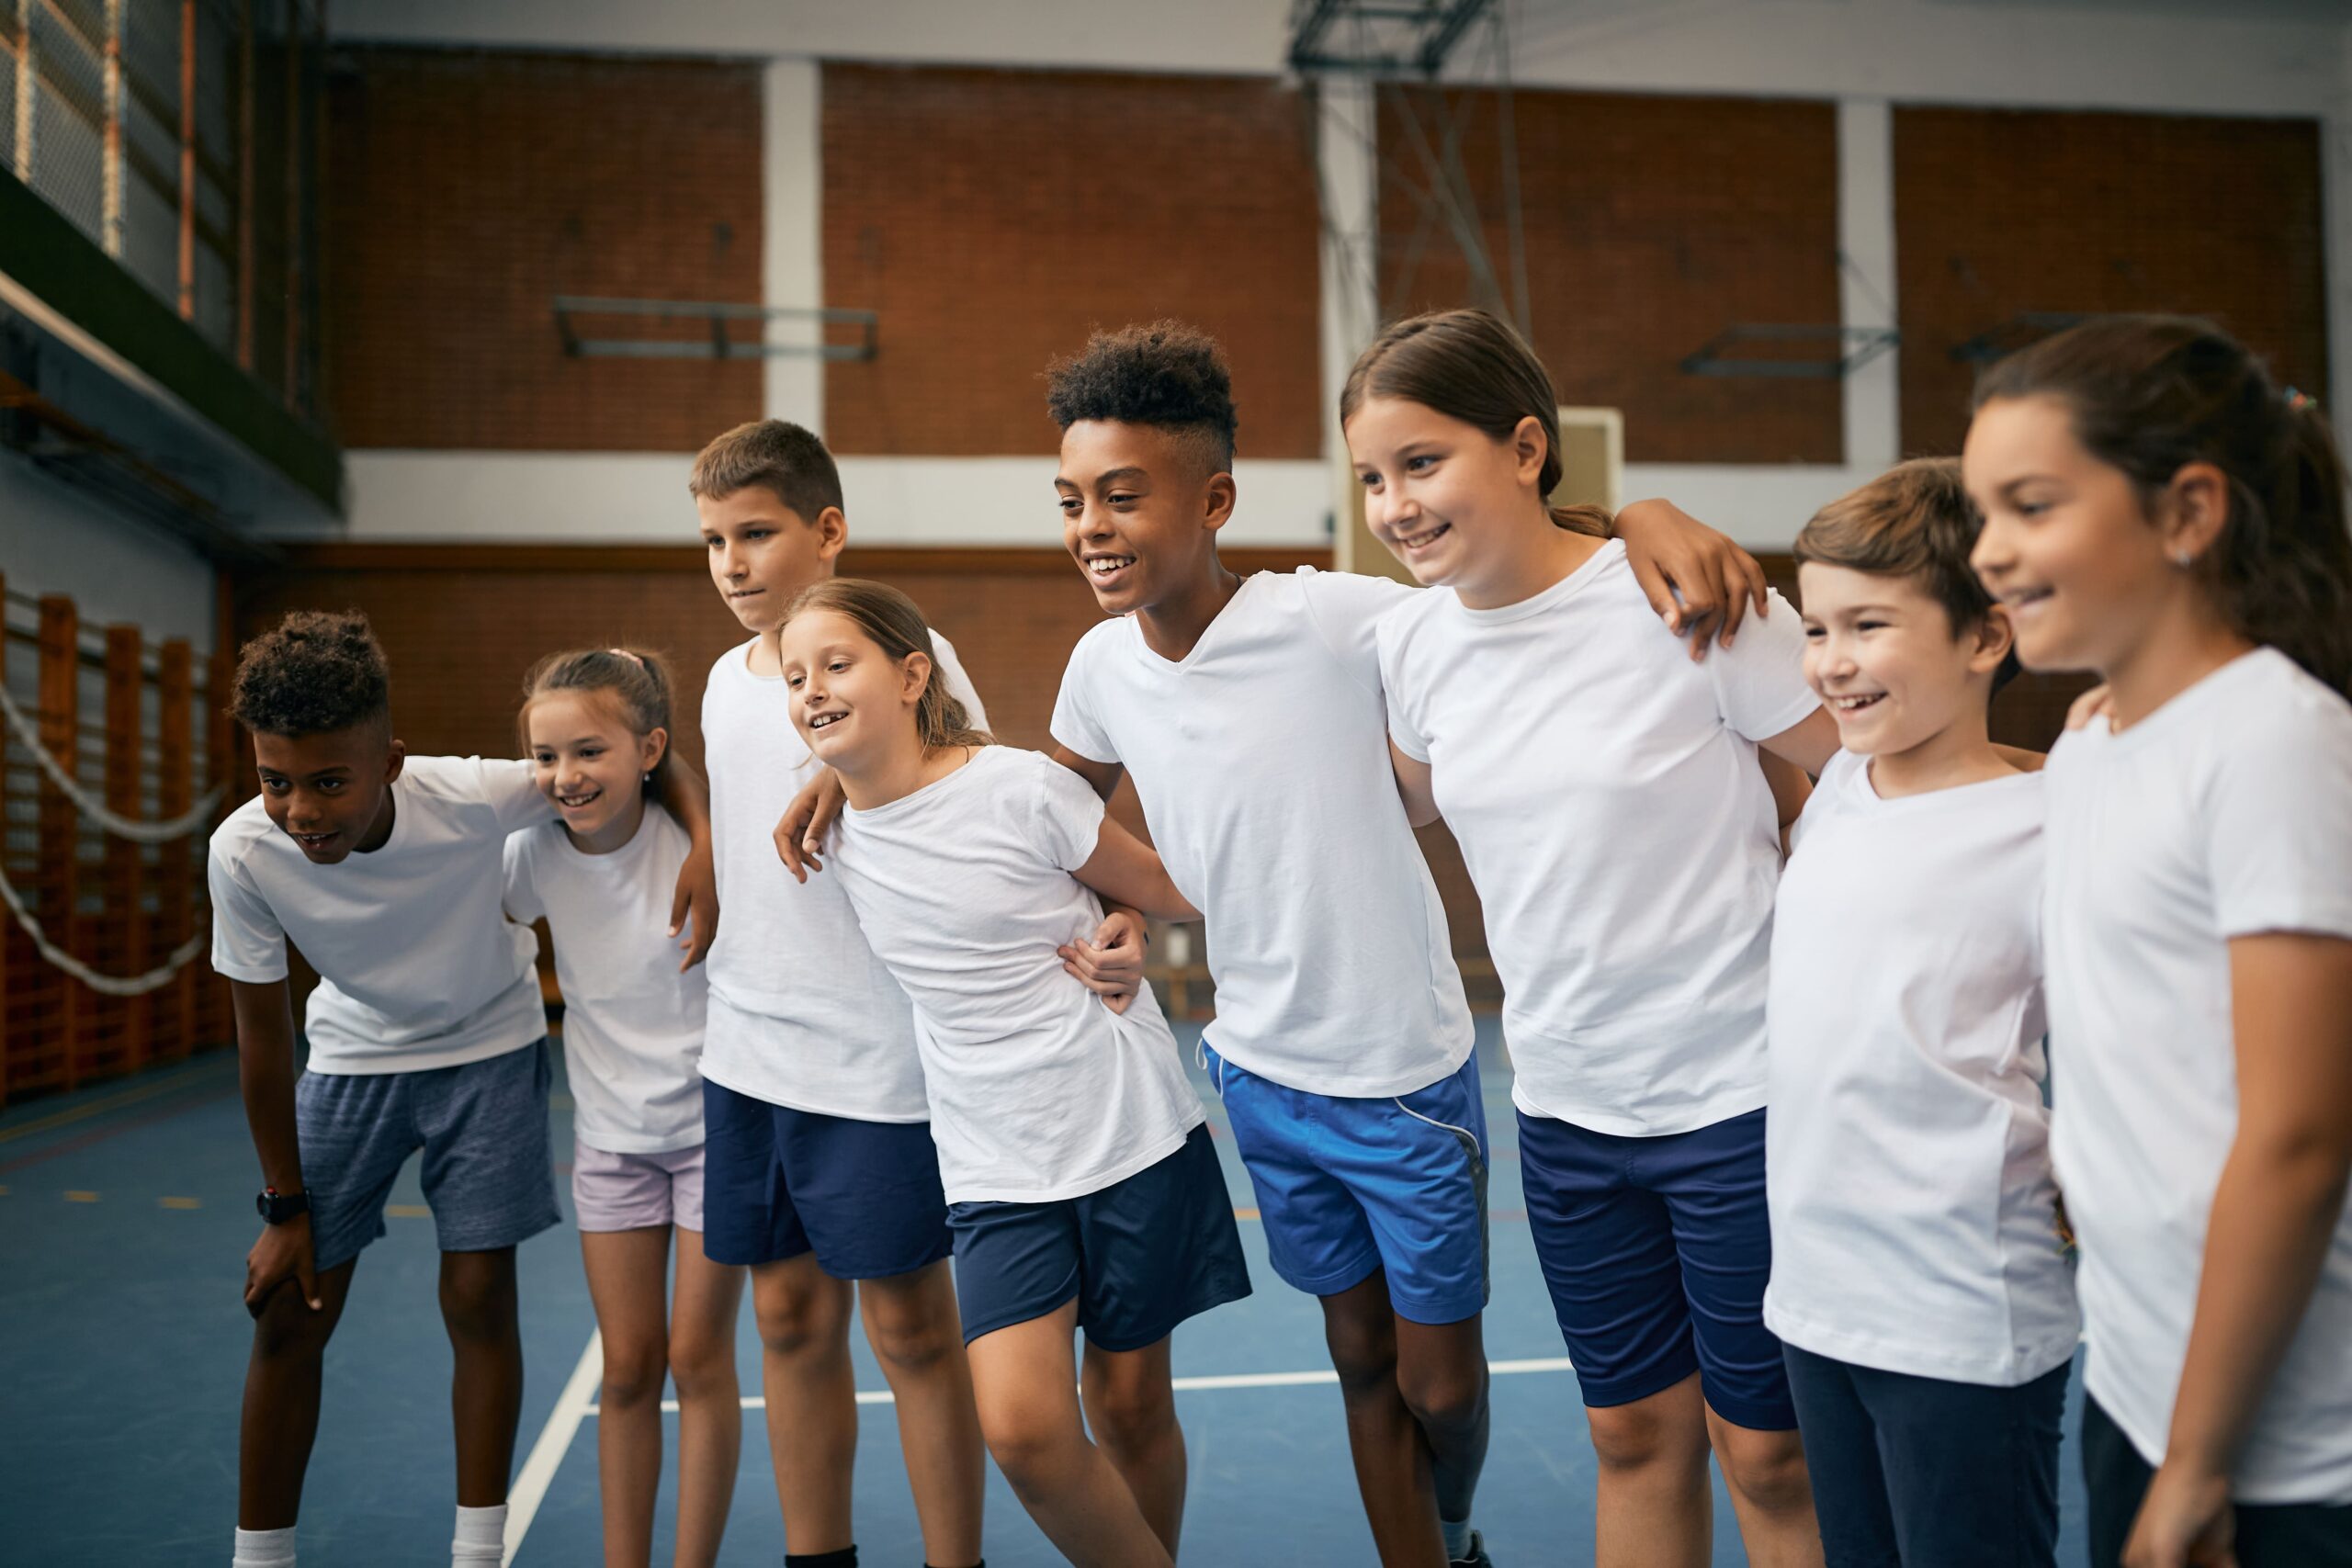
(1914, 521)
(1166, 374)
(776, 453)
(313, 673)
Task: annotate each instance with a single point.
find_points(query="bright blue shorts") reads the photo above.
(1349, 1186)
(1656, 1251)
(1139, 1256)
(863, 1196)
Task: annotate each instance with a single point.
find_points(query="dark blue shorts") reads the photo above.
(1927, 1472)
(1139, 1256)
(1656, 1251)
(489, 1174)
(863, 1196)
(1348, 1186)
(2270, 1535)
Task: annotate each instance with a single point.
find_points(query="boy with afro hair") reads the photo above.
(425, 1033)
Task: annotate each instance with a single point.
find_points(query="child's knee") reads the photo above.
(1135, 1417)
(634, 1371)
(478, 1295)
(701, 1364)
(795, 1322)
(1641, 1435)
(288, 1331)
(1765, 1468)
(1030, 1444)
(1443, 1398)
(1364, 1352)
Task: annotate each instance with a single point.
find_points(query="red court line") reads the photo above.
(100, 1134)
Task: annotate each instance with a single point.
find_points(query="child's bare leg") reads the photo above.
(710, 1405)
(1771, 1494)
(280, 1417)
(910, 1321)
(1654, 1508)
(1442, 1372)
(1131, 1407)
(486, 1386)
(625, 1276)
(1024, 1377)
(803, 1314)
(1393, 1473)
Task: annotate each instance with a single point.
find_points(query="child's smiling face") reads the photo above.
(586, 762)
(1882, 655)
(852, 704)
(1141, 505)
(1442, 493)
(330, 792)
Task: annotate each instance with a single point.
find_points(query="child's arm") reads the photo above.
(1109, 964)
(1791, 789)
(800, 832)
(1414, 787)
(2273, 1218)
(1103, 776)
(1125, 870)
(1673, 553)
(1809, 743)
(684, 797)
(264, 1014)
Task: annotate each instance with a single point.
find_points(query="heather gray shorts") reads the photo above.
(489, 1178)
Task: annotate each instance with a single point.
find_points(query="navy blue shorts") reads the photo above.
(863, 1196)
(1348, 1186)
(1656, 1251)
(1927, 1472)
(489, 1174)
(2270, 1535)
(1139, 1256)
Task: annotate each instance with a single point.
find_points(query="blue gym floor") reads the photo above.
(125, 1212)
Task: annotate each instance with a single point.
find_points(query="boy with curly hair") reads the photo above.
(425, 1033)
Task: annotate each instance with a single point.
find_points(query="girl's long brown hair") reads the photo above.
(2152, 394)
(637, 679)
(1470, 366)
(892, 622)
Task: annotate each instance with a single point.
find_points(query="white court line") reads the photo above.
(1183, 1385)
(574, 1406)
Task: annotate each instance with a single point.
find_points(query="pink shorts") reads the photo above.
(629, 1192)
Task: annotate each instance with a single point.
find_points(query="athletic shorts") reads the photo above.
(638, 1191)
(1656, 1251)
(1348, 1186)
(863, 1196)
(489, 1173)
(2270, 1535)
(1139, 1256)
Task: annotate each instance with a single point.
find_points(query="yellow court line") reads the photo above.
(1245, 1213)
(76, 1195)
(407, 1211)
(183, 1202)
(128, 1096)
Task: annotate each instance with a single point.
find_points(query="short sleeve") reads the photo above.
(1074, 724)
(1397, 690)
(524, 904)
(1068, 813)
(512, 787)
(2277, 811)
(959, 684)
(1836, 778)
(1759, 681)
(1346, 607)
(248, 942)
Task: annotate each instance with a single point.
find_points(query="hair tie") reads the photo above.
(624, 653)
(2299, 399)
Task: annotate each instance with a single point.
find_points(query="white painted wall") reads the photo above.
(640, 498)
(57, 540)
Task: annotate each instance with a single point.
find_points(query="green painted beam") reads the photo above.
(42, 250)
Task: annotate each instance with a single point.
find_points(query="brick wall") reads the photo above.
(1651, 224)
(994, 216)
(1999, 212)
(466, 190)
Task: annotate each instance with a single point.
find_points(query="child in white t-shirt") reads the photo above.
(1919, 1282)
(2157, 511)
(425, 1033)
(1607, 795)
(1081, 1185)
(595, 725)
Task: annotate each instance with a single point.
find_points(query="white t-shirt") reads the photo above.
(1262, 760)
(2225, 813)
(632, 1025)
(418, 968)
(1915, 1222)
(1606, 795)
(811, 1020)
(1038, 1090)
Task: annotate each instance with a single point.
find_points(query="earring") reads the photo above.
(2182, 558)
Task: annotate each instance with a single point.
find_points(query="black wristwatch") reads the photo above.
(277, 1207)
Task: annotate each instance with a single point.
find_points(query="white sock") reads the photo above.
(265, 1549)
(481, 1536)
(1457, 1537)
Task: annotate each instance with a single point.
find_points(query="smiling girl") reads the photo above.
(1083, 1190)
(1606, 794)
(596, 726)
(2157, 511)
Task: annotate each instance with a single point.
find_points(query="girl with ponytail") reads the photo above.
(1083, 1191)
(2159, 511)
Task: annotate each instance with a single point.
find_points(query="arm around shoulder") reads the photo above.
(1125, 870)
